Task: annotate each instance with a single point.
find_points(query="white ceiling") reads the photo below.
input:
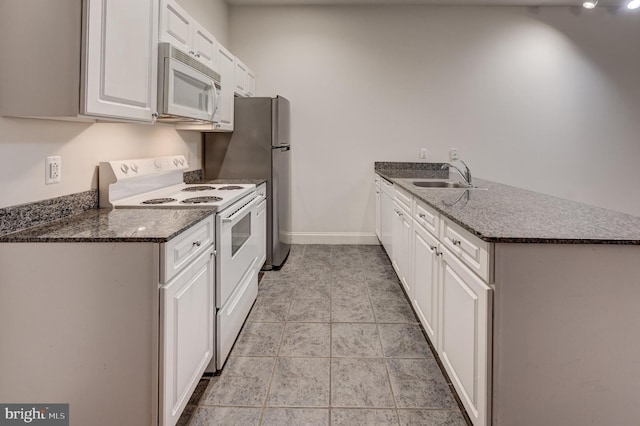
(612, 3)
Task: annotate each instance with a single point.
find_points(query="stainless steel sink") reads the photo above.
(441, 184)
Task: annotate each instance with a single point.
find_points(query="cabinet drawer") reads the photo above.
(427, 217)
(179, 251)
(387, 187)
(403, 198)
(471, 250)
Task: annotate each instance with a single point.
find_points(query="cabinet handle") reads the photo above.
(456, 242)
(197, 243)
(197, 55)
(434, 248)
(191, 52)
(155, 115)
(422, 215)
(438, 253)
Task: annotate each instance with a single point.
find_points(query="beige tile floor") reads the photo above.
(331, 340)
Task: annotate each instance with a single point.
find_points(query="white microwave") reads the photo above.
(188, 90)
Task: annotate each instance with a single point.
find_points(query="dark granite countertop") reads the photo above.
(117, 225)
(506, 214)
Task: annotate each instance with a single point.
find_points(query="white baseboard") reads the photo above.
(333, 238)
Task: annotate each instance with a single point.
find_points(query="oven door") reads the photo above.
(189, 93)
(237, 249)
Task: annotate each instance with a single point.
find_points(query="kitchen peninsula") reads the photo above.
(530, 300)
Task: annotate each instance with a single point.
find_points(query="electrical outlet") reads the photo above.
(454, 154)
(423, 153)
(53, 170)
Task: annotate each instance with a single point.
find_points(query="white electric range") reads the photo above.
(158, 183)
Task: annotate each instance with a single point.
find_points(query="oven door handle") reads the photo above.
(240, 211)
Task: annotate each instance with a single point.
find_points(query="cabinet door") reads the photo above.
(120, 61)
(226, 67)
(402, 246)
(175, 25)
(251, 83)
(395, 238)
(387, 216)
(405, 260)
(465, 336)
(425, 280)
(240, 78)
(203, 45)
(186, 339)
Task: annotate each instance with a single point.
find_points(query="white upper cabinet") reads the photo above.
(121, 59)
(175, 25)
(226, 68)
(204, 45)
(181, 30)
(240, 78)
(250, 83)
(104, 66)
(245, 80)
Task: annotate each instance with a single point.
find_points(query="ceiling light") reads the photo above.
(633, 4)
(590, 4)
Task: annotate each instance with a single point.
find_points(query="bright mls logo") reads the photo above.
(34, 414)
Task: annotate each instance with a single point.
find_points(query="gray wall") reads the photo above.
(542, 98)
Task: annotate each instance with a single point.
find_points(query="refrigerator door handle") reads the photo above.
(282, 147)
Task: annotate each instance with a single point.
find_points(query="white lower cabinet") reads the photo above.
(187, 328)
(401, 258)
(386, 216)
(444, 270)
(426, 269)
(465, 335)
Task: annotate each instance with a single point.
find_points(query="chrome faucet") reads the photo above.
(466, 175)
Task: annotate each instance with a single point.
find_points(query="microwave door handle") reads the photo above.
(211, 106)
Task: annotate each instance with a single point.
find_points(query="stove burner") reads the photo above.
(159, 201)
(230, 187)
(200, 200)
(197, 188)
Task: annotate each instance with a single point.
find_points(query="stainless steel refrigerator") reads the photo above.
(259, 147)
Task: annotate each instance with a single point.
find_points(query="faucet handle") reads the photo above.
(467, 172)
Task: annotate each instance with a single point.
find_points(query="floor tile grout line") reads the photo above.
(273, 372)
(384, 362)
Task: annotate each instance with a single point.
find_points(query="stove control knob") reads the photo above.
(134, 168)
(157, 164)
(124, 168)
(181, 161)
(175, 162)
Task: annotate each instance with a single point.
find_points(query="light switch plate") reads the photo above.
(454, 154)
